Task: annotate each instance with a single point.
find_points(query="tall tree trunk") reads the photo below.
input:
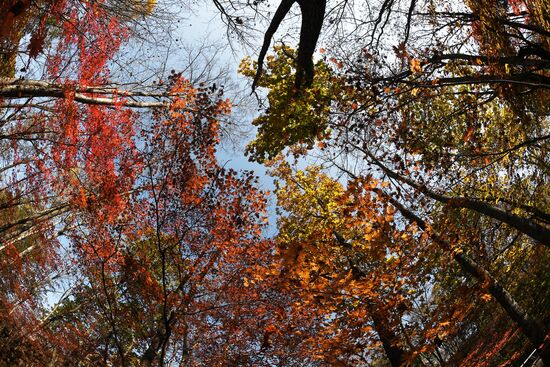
(524, 225)
(104, 96)
(532, 328)
(389, 339)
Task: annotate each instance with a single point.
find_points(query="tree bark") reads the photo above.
(390, 340)
(533, 329)
(524, 225)
(313, 12)
(16, 88)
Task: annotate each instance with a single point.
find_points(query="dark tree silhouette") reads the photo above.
(313, 12)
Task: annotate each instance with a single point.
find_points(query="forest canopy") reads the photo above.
(407, 142)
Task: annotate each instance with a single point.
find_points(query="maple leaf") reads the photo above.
(36, 44)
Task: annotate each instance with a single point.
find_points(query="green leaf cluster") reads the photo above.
(295, 116)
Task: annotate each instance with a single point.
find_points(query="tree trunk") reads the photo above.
(532, 329)
(15, 88)
(389, 339)
(524, 225)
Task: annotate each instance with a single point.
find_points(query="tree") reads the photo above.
(413, 95)
(294, 117)
(313, 13)
(353, 271)
(366, 188)
(162, 269)
(271, 122)
(26, 271)
(89, 165)
(125, 241)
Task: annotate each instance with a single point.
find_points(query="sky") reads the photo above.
(206, 27)
(140, 60)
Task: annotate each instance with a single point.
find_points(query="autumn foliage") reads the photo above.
(410, 200)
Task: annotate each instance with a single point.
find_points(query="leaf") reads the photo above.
(415, 66)
(468, 134)
(36, 44)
